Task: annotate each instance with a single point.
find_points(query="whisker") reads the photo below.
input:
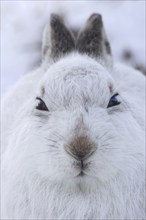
(103, 135)
(48, 139)
(58, 136)
(39, 153)
(109, 148)
(43, 152)
(52, 146)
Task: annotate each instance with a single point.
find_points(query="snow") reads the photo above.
(22, 23)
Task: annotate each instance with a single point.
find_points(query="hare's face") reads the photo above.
(79, 121)
(81, 128)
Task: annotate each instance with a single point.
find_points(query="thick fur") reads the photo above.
(92, 40)
(39, 178)
(58, 40)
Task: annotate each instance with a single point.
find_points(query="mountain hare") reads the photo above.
(73, 132)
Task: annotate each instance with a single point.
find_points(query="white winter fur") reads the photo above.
(38, 177)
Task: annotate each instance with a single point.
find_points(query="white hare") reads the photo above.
(73, 133)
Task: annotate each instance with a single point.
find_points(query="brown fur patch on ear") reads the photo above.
(111, 89)
(42, 91)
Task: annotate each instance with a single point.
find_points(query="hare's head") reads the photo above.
(80, 124)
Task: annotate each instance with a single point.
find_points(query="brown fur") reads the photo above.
(81, 146)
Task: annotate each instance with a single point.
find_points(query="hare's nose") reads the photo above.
(80, 148)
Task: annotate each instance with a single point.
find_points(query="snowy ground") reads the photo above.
(22, 23)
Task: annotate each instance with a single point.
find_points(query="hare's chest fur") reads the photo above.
(54, 202)
(104, 204)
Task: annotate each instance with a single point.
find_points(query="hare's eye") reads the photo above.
(41, 105)
(113, 101)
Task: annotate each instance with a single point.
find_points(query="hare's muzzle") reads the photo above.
(80, 148)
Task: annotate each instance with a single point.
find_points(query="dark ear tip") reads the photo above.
(95, 17)
(54, 18)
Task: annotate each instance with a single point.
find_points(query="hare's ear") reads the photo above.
(57, 39)
(92, 40)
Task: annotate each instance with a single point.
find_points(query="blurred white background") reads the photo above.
(22, 23)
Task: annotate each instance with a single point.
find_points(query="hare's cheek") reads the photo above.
(106, 165)
(54, 169)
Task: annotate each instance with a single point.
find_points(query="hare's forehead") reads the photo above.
(77, 84)
(77, 73)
